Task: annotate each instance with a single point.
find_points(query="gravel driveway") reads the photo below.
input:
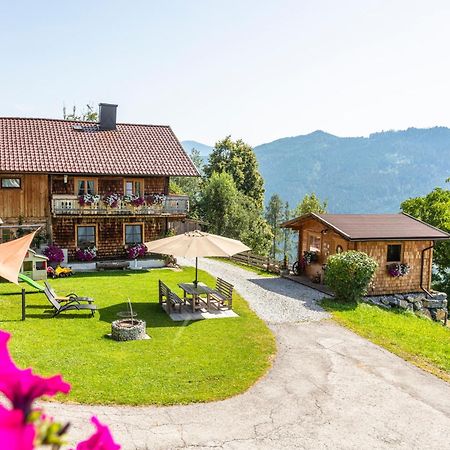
(275, 300)
(328, 389)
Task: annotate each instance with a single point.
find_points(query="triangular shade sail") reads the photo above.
(196, 243)
(12, 255)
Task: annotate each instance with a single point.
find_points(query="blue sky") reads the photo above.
(258, 70)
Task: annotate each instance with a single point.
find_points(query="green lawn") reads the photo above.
(192, 362)
(418, 340)
(256, 270)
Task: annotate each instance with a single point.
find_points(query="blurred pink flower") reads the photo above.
(15, 434)
(22, 387)
(100, 440)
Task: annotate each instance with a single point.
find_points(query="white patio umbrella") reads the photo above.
(196, 243)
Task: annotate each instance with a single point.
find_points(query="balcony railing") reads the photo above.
(70, 205)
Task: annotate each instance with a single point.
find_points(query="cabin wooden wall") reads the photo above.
(383, 283)
(110, 233)
(108, 184)
(31, 201)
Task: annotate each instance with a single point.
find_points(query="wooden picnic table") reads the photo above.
(195, 292)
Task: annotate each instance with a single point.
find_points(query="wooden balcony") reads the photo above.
(172, 205)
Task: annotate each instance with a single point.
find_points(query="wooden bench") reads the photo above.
(222, 295)
(168, 298)
(112, 265)
(174, 302)
(163, 293)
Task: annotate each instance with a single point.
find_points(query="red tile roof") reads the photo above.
(54, 146)
(363, 227)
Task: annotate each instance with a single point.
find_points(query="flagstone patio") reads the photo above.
(185, 314)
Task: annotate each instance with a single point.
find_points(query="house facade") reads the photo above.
(401, 245)
(89, 185)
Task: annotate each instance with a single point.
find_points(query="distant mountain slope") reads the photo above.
(204, 149)
(373, 174)
(355, 174)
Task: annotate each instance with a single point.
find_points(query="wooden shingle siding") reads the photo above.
(383, 283)
(29, 201)
(109, 233)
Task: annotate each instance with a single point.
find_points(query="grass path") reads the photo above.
(420, 341)
(182, 363)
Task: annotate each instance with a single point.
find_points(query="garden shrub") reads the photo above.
(348, 274)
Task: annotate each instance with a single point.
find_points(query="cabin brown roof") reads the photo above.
(55, 146)
(377, 227)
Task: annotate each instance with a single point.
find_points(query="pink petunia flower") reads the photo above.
(15, 434)
(100, 440)
(22, 387)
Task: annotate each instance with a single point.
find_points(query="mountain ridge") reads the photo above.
(357, 174)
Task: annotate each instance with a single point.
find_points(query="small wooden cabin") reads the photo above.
(387, 238)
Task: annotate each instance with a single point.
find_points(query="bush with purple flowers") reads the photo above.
(54, 254)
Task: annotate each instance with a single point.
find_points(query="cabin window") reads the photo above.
(314, 243)
(394, 253)
(28, 266)
(134, 187)
(133, 234)
(41, 265)
(86, 236)
(11, 183)
(85, 186)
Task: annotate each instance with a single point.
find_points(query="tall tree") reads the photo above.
(274, 214)
(190, 186)
(287, 234)
(230, 213)
(238, 159)
(434, 208)
(311, 203)
(88, 115)
(219, 200)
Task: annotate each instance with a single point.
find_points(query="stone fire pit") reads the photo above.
(128, 330)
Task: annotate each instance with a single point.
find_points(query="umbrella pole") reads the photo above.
(196, 272)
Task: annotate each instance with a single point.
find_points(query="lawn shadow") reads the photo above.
(20, 293)
(110, 273)
(151, 312)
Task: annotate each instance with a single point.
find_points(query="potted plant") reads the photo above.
(397, 270)
(88, 199)
(86, 254)
(112, 199)
(135, 251)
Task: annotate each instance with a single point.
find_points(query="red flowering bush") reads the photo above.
(23, 427)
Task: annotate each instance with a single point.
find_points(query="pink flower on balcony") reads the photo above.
(15, 433)
(22, 387)
(100, 440)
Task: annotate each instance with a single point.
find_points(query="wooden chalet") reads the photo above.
(90, 184)
(388, 238)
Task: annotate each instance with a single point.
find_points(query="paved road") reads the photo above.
(328, 389)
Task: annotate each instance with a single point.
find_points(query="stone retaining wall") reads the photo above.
(434, 308)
